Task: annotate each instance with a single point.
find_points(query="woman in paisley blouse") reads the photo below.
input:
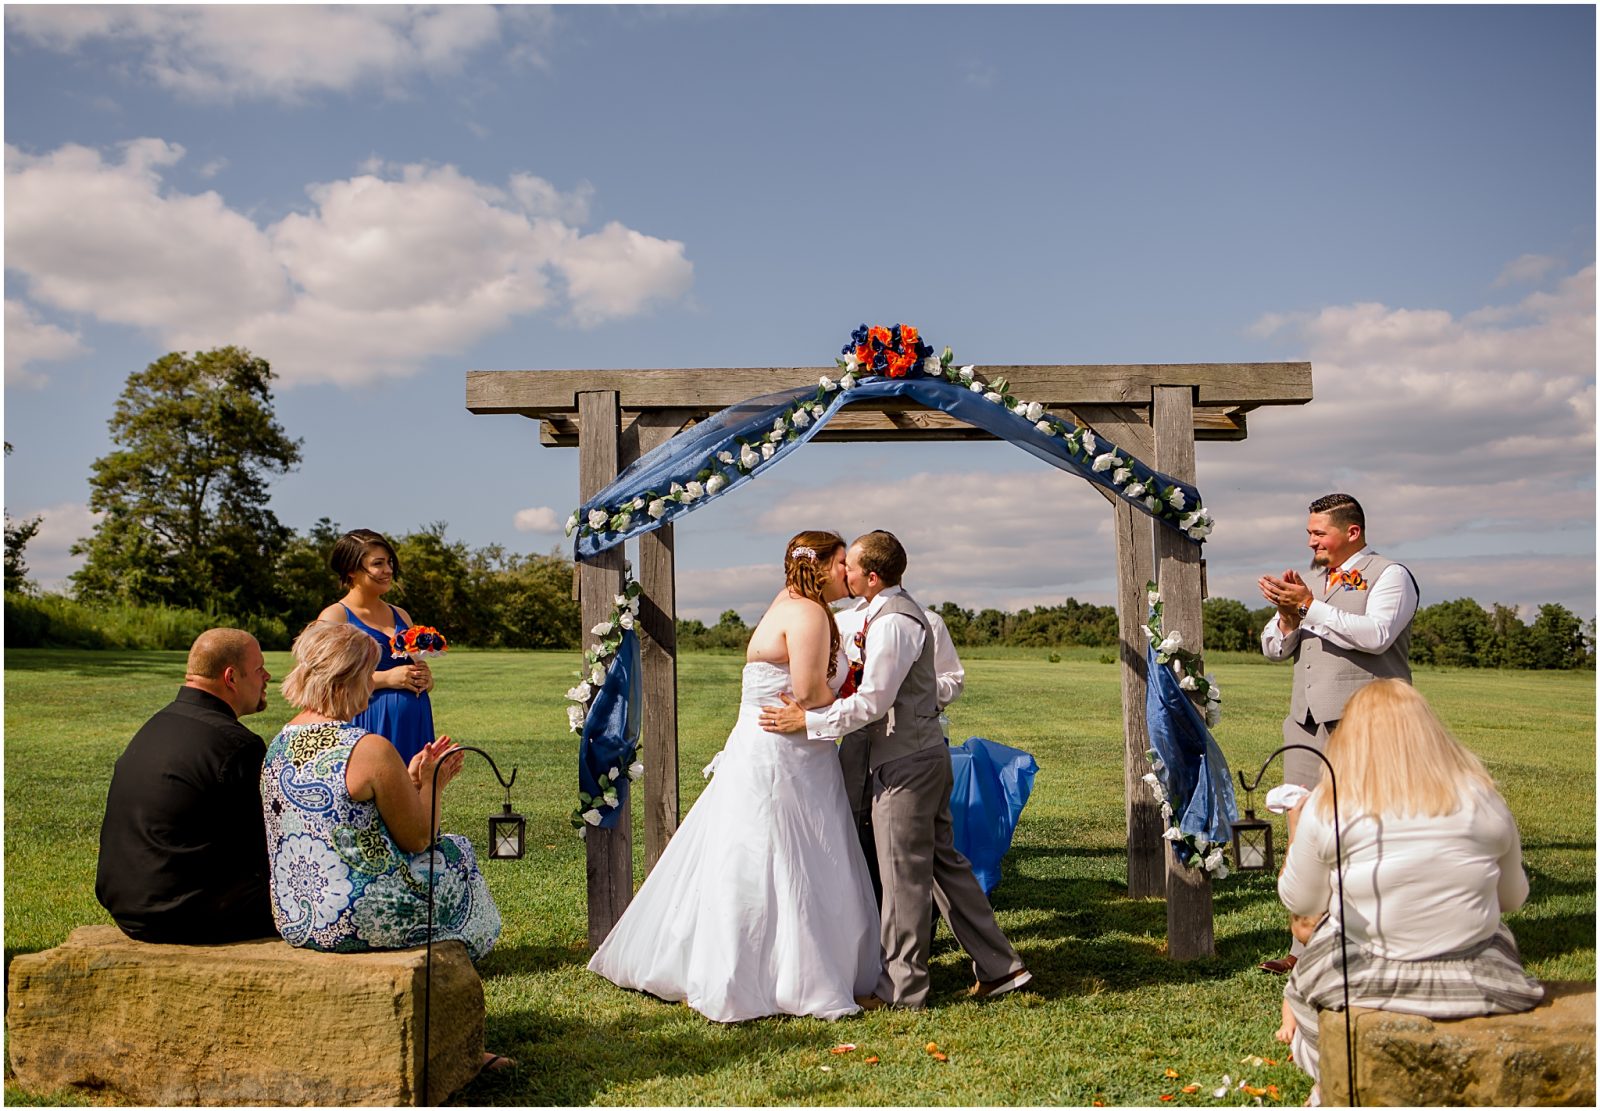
(348, 824)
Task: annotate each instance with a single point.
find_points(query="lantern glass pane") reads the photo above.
(1252, 848)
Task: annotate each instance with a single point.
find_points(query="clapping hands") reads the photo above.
(443, 754)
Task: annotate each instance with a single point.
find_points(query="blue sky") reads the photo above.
(378, 200)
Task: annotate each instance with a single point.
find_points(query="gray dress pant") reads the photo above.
(917, 859)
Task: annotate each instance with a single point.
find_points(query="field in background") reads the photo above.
(1108, 1014)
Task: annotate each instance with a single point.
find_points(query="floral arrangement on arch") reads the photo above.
(899, 352)
(596, 658)
(1185, 666)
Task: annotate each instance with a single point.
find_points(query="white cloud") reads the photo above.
(32, 340)
(1526, 268)
(382, 271)
(539, 518)
(48, 554)
(286, 52)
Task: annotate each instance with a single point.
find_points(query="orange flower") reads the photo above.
(932, 1047)
(864, 355)
(879, 333)
(1171, 1074)
(871, 1060)
(1190, 1089)
(1167, 1098)
(1272, 1090)
(940, 1057)
(843, 1047)
(1254, 1091)
(908, 335)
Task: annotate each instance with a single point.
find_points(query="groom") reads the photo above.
(894, 715)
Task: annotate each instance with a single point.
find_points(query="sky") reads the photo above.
(377, 200)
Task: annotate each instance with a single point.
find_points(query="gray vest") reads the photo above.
(912, 723)
(1326, 675)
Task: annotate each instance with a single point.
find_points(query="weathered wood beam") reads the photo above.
(534, 391)
(1190, 932)
(910, 423)
(608, 852)
(658, 644)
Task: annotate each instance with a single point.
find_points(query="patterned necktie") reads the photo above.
(852, 679)
(1350, 579)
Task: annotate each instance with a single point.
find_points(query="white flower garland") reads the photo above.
(624, 614)
(741, 456)
(1185, 665)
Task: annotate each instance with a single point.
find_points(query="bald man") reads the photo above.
(183, 848)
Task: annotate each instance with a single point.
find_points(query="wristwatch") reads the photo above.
(1302, 608)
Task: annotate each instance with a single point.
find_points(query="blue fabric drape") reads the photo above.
(681, 458)
(991, 785)
(1195, 773)
(611, 731)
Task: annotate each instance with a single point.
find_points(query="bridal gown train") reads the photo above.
(761, 903)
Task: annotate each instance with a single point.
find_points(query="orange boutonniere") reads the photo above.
(1350, 579)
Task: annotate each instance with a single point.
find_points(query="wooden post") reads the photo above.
(1129, 428)
(1189, 925)
(658, 644)
(1147, 873)
(609, 851)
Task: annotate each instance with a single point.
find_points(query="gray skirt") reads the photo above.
(1482, 979)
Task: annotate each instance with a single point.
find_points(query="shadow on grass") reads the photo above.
(566, 1062)
(89, 663)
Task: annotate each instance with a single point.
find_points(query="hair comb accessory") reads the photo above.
(798, 552)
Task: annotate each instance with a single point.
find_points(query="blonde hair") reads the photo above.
(216, 650)
(1394, 758)
(805, 563)
(333, 663)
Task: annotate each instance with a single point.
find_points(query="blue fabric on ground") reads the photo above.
(1193, 769)
(991, 786)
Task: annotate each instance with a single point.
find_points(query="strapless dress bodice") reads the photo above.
(763, 682)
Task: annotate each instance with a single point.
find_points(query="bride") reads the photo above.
(761, 903)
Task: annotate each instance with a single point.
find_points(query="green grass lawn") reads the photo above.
(1107, 1015)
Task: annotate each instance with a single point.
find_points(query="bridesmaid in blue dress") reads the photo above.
(399, 709)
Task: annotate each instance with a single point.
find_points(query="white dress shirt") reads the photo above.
(1391, 604)
(893, 645)
(950, 675)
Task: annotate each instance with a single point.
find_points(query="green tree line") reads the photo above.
(187, 539)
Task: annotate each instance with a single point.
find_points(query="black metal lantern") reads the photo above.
(1252, 838)
(507, 834)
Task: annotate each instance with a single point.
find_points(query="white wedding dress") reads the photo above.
(761, 903)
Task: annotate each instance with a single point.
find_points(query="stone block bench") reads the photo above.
(257, 1022)
(1544, 1057)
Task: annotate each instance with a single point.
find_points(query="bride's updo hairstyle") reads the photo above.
(805, 571)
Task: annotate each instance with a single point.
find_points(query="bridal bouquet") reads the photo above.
(420, 642)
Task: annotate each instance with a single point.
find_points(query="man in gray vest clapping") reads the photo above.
(1350, 624)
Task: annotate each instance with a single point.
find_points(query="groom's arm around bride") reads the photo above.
(895, 713)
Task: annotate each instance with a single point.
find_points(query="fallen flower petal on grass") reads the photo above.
(827, 1068)
(1171, 1074)
(1272, 1090)
(1190, 1089)
(843, 1047)
(870, 1060)
(1253, 1091)
(932, 1047)
(1167, 1098)
(939, 1057)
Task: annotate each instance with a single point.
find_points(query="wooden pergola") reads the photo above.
(1155, 411)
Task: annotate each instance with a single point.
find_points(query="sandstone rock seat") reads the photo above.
(1544, 1057)
(256, 1022)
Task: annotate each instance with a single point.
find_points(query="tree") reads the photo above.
(306, 583)
(1228, 626)
(1456, 634)
(17, 536)
(184, 495)
(1557, 639)
(730, 619)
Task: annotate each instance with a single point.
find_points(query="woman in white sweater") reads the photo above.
(1432, 859)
